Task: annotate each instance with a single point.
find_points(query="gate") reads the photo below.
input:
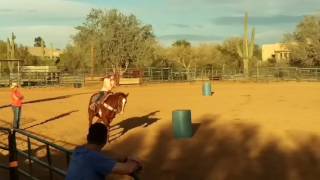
(23, 164)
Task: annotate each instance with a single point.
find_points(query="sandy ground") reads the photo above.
(244, 131)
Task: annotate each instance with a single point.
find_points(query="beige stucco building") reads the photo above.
(278, 51)
(46, 52)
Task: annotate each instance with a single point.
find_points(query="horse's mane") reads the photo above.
(119, 94)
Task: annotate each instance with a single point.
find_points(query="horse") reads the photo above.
(112, 105)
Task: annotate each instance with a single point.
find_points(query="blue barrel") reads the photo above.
(182, 125)
(206, 89)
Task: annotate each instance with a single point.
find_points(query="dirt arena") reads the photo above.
(245, 131)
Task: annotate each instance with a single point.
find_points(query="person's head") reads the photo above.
(98, 134)
(14, 86)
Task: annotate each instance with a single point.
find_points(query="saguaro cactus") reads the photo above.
(51, 52)
(42, 49)
(8, 49)
(11, 51)
(246, 51)
(93, 59)
(13, 44)
(11, 47)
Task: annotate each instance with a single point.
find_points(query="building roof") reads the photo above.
(276, 46)
(269, 50)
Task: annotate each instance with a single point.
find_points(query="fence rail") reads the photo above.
(5, 145)
(43, 79)
(15, 153)
(152, 74)
(258, 73)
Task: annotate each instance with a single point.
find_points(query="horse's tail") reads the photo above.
(91, 112)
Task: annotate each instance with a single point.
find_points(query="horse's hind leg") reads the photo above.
(107, 124)
(108, 136)
(90, 118)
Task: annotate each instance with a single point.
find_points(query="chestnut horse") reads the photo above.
(107, 111)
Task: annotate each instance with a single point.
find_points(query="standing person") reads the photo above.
(16, 104)
(88, 163)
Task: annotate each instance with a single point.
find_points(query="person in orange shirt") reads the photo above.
(16, 104)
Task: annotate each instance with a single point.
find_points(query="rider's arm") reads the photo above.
(125, 168)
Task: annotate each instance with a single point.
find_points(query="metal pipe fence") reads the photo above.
(152, 74)
(43, 79)
(17, 153)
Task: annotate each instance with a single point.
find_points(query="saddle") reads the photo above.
(100, 99)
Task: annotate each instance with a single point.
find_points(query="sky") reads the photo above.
(198, 21)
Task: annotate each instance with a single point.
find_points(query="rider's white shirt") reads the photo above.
(106, 85)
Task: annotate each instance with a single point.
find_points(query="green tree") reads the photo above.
(182, 42)
(304, 42)
(38, 42)
(230, 55)
(73, 59)
(161, 58)
(208, 55)
(182, 55)
(119, 40)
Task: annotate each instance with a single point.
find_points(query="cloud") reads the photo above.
(270, 36)
(48, 12)
(41, 21)
(10, 11)
(254, 7)
(180, 25)
(6, 10)
(59, 36)
(54, 20)
(258, 20)
(171, 19)
(31, 10)
(168, 40)
(186, 26)
(199, 26)
(207, 2)
(190, 37)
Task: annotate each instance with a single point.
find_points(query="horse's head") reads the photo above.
(122, 101)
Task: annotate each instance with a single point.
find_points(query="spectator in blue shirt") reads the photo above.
(88, 163)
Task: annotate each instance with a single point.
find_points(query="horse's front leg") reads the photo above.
(108, 134)
(105, 121)
(91, 116)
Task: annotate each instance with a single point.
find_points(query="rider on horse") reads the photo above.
(108, 84)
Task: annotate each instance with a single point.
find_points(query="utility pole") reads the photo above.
(93, 59)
